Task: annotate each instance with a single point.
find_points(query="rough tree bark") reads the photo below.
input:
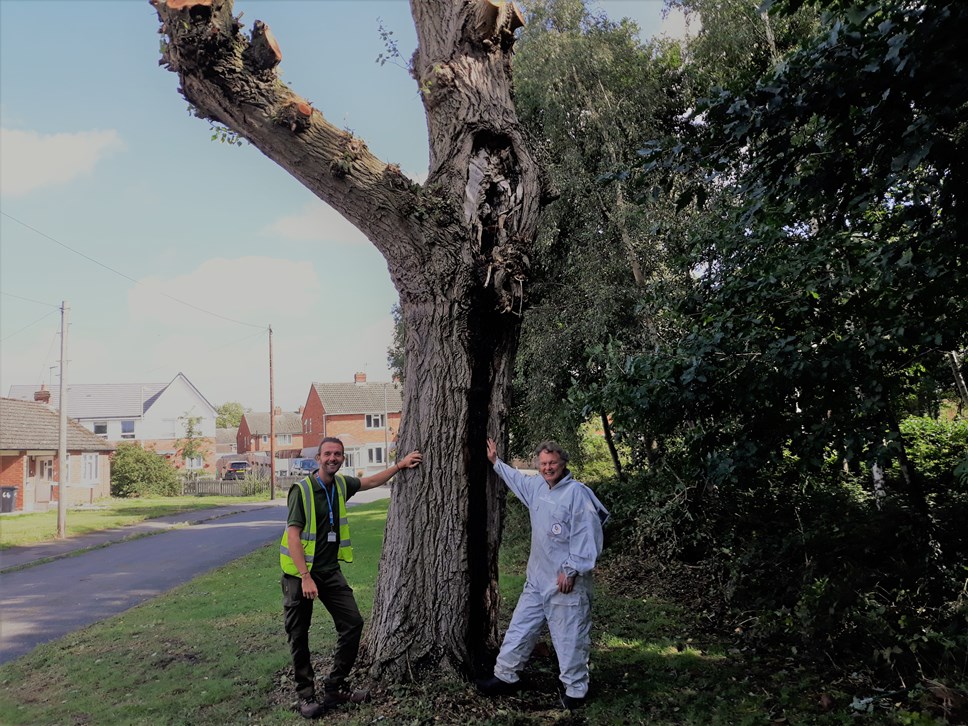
(457, 250)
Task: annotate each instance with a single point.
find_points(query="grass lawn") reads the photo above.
(213, 652)
(23, 529)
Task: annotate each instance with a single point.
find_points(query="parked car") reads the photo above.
(236, 470)
(302, 467)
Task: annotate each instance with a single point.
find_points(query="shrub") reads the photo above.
(136, 472)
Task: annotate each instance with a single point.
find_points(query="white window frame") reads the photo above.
(193, 463)
(127, 434)
(376, 455)
(374, 421)
(265, 438)
(102, 434)
(348, 459)
(284, 439)
(91, 467)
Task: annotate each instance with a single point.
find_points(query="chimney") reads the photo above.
(277, 411)
(300, 411)
(43, 395)
(359, 378)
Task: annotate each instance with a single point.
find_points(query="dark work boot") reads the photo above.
(332, 699)
(494, 686)
(571, 702)
(311, 708)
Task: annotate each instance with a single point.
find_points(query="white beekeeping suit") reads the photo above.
(566, 537)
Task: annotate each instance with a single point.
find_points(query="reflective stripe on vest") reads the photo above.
(308, 534)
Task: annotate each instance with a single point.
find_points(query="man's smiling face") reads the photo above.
(330, 458)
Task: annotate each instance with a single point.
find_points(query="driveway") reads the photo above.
(46, 601)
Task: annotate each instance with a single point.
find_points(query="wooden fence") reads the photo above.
(237, 488)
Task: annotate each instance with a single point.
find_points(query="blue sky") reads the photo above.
(99, 154)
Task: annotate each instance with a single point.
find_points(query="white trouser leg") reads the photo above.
(522, 634)
(571, 627)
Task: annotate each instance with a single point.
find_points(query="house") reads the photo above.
(154, 415)
(29, 444)
(225, 441)
(365, 416)
(253, 434)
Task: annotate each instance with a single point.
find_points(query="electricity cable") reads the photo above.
(128, 277)
(29, 325)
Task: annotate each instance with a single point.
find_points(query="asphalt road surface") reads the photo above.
(47, 601)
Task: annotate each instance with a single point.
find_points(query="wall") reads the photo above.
(12, 473)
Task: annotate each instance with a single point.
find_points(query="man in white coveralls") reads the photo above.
(566, 539)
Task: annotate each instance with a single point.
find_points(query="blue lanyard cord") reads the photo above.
(330, 497)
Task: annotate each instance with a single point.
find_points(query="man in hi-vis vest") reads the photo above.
(317, 536)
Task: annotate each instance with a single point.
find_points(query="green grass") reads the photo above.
(213, 652)
(24, 529)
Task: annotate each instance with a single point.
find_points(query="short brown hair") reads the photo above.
(329, 440)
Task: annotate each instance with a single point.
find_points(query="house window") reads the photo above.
(265, 438)
(194, 462)
(90, 464)
(348, 458)
(47, 469)
(127, 429)
(375, 454)
(101, 429)
(283, 438)
(374, 420)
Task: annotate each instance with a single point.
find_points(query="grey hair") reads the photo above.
(552, 447)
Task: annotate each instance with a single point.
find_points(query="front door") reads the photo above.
(43, 480)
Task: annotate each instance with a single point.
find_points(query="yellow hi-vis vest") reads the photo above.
(308, 535)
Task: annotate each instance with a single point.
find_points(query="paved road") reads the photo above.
(44, 602)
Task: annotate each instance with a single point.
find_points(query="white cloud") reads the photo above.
(29, 160)
(255, 290)
(317, 222)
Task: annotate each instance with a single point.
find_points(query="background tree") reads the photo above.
(230, 415)
(396, 353)
(588, 92)
(822, 294)
(191, 446)
(458, 250)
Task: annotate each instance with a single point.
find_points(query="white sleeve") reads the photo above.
(585, 542)
(516, 481)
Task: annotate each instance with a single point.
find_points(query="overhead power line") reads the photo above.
(28, 299)
(128, 277)
(29, 325)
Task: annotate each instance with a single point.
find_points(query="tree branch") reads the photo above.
(232, 80)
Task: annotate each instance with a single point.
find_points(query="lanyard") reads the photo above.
(330, 497)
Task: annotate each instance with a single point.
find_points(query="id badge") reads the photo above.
(331, 537)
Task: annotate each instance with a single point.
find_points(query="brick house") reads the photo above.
(150, 414)
(365, 416)
(253, 434)
(29, 443)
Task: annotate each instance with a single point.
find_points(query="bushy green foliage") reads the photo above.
(818, 560)
(939, 449)
(137, 472)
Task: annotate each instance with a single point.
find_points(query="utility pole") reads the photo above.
(272, 426)
(62, 427)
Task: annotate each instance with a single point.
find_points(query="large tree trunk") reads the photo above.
(457, 250)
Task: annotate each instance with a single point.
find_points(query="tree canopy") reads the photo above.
(230, 415)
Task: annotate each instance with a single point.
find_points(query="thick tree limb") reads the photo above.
(231, 80)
